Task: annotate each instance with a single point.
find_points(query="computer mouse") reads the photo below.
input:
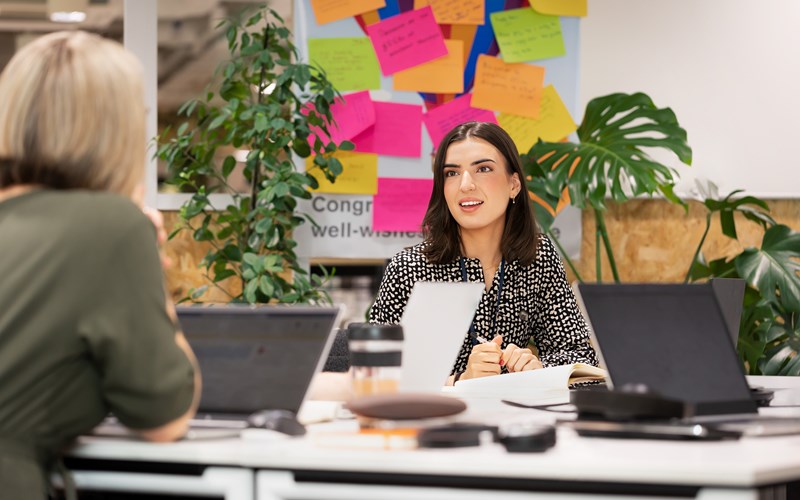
(282, 421)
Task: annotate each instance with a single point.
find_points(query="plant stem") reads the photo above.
(564, 255)
(699, 247)
(598, 269)
(256, 177)
(601, 229)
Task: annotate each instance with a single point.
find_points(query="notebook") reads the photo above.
(252, 358)
(435, 322)
(674, 339)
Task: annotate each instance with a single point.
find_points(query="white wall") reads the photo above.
(730, 70)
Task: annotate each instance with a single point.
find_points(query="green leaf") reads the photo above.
(198, 292)
(250, 291)
(612, 158)
(216, 122)
(266, 286)
(773, 268)
(228, 165)
(260, 124)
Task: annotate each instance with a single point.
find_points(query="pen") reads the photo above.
(481, 340)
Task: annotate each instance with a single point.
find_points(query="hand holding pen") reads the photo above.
(488, 358)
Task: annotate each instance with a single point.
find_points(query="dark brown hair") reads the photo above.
(440, 229)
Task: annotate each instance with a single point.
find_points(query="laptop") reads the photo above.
(673, 339)
(435, 322)
(252, 358)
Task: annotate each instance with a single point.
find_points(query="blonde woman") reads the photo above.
(85, 325)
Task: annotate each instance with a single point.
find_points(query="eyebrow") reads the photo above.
(476, 162)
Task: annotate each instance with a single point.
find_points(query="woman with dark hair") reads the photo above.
(479, 227)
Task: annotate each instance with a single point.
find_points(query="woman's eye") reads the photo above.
(484, 168)
(450, 173)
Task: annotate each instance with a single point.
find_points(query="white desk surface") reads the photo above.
(746, 462)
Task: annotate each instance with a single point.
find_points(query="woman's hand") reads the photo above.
(517, 359)
(484, 360)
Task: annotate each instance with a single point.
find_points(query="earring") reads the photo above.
(514, 200)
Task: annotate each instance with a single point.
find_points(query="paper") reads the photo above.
(327, 11)
(510, 88)
(525, 35)
(349, 63)
(552, 379)
(352, 114)
(560, 7)
(553, 124)
(455, 11)
(440, 76)
(359, 174)
(440, 120)
(397, 131)
(400, 204)
(407, 40)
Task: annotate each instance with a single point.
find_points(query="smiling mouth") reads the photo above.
(470, 203)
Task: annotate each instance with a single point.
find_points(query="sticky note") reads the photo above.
(352, 114)
(509, 88)
(560, 7)
(525, 35)
(406, 40)
(400, 204)
(455, 11)
(359, 174)
(349, 63)
(327, 11)
(397, 131)
(441, 119)
(553, 124)
(440, 76)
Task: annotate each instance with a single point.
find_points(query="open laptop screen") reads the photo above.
(672, 338)
(256, 358)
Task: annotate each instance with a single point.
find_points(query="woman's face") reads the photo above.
(477, 185)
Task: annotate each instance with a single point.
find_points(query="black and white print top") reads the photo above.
(537, 303)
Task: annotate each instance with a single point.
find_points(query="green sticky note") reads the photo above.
(350, 63)
(526, 35)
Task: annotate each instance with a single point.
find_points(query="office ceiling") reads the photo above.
(189, 47)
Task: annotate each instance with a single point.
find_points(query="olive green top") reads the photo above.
(83, 329)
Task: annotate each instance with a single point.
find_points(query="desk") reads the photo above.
(265, 466)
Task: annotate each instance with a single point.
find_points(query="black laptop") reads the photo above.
(673, 339)
(252, 358)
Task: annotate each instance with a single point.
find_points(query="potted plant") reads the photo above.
(265, 103)
(611, 162)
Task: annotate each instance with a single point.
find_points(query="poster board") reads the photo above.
(345, 222)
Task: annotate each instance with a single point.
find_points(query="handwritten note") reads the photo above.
(400, 204)
(553, 124)
(352, 114)
(510, 88)
(359, 174)
(327, 11)
(441, 119)
(525, 35)
(560, 7)
(455, 11)
(397, 131)
(349, 63)
(440, 76)
(407, 40)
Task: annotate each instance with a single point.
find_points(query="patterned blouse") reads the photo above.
(536, 305)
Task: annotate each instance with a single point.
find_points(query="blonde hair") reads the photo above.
(72, 115)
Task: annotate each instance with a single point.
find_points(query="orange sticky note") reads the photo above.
(440, 76)
(560, 7)
(554, 122)
(509, 88)
(455, 11)
(327, 11)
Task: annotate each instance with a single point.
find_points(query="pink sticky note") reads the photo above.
(353, 113)
(400, 204)
(406, 40)
(397, 131)
(442, 119)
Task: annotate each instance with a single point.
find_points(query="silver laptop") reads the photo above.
(675, 340)
(252, 358)
(435, 322)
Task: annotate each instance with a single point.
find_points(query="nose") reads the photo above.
(466, 182)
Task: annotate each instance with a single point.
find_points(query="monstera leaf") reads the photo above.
(611, 158)
(537, 184)
(774, 267)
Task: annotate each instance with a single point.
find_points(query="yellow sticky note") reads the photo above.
(455, 11)
(444, 75)
(508, 88)
(327, 11)
(560, 7)
(359, 174)
(349, 63)
(553, 124)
